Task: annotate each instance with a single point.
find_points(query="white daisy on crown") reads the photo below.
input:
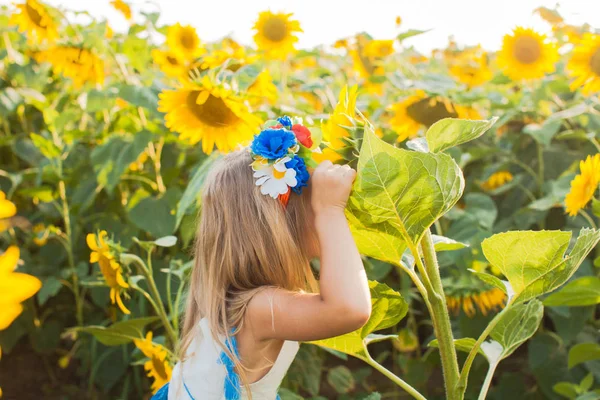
(281, 153)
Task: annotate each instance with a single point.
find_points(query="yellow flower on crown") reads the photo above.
(15, 287)
(33, 17)
(527, 55)
(584, 186)
(158, 366)
(110, 268)
(584, 64)
(275, 34)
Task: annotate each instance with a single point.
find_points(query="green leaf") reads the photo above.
(545, 132)
(166, 241)
(154, 215)
(410, 33)
(120, 333)
(50, 287)
(584, 291)
(517, 325)
(46, 146)
(111, 159)
(287, 394)
(450, 132)
(140, 96)
(533, 262)
(442, 243)
(98, 100)
(388, 308)
(193, 191)
(583, 352)
(398, 194)
(341, 379)
(566, 389)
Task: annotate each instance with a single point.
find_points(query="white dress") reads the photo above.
(204, 375)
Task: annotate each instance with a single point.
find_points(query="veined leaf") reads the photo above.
(388, 308)
(463, 344)
(534, 262)
(442, 243)
(450, 132)
(584, 291)
(398, 195)
(517, 325)
(583, 352)
(119, 333)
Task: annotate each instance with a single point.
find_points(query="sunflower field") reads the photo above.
(476, 204)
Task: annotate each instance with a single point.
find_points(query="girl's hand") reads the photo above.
(331, 186)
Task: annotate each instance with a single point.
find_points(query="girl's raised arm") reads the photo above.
(344, 301)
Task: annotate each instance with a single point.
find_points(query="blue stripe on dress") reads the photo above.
(231, 386)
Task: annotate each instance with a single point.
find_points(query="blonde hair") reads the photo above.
(245, 242)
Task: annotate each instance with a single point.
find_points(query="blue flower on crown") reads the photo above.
(273, 143)
(297, 164)
(285, 121)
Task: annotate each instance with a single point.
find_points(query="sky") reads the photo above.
(471, 22)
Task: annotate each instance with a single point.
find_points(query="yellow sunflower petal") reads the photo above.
(9, 260)
(8, 313)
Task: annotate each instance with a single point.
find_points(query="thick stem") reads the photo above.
(157, 303)
(488, 381)
(69, 247)
(441, 318)
(394, 378)
(540, 153)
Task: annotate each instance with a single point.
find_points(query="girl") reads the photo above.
(252, 295)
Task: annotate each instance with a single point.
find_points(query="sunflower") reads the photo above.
(526, 55)
(471, 70)
(79, 64)
(33, 17)
(123, 7)
(184, 41)
(110, 268)
(584, 185)
(497, 180)
(15, 287)
(485, 301)
(275, 34)
(208, 113)
(170, 63)
(158, 366)
(379, 48)
(334, 132)
(417, 111)
(7, 210)
(263, 89)
(584, 65)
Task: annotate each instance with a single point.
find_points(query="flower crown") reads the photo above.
(282, 151)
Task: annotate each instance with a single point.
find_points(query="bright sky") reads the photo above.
(470, 21)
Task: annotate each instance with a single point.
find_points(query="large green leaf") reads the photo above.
(154, 215)
(388, 308)
(583, 352)
(111, 159)
(584, 291)
(193, 190)
(120, 333)
(517, 325)
(398, 194)
(534, 262)
(450, 132)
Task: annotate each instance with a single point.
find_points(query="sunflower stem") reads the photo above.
(488, 381)
(394, 378)
(540, 154)
(68, 244)
(440, 317)
(157, 302)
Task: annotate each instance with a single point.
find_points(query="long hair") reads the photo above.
(245, 242)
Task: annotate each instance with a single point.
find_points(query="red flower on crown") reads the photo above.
(303, 135)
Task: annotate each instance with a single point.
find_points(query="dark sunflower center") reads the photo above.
(430, 110)
(33, 14)
(213, 112)
(172, 60)
(595, 62)
(159, 367)
(187, 40)
(275, 29)
(527, 50)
